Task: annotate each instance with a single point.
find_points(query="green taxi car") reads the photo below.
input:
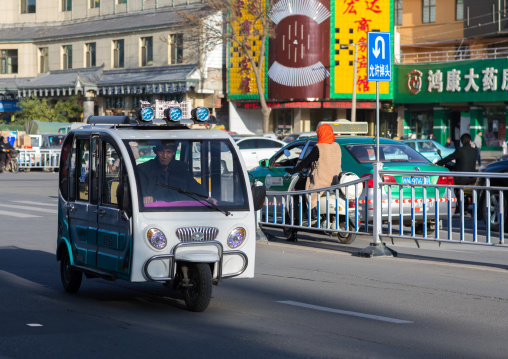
(358, 155)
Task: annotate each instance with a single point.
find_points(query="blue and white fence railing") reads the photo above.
(283, 209)
(464, 214)
(430, 211)
(38, 159)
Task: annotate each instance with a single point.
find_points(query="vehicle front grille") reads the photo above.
(189, 234)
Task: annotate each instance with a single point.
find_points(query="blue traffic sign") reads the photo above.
(379, 59)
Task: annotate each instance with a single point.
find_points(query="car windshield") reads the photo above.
(366, 153)
(186, 175)
(53, 141)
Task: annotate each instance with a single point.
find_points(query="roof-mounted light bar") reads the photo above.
(346, 127)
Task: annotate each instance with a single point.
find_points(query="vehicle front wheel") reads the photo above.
(199, 292)
(71, 279)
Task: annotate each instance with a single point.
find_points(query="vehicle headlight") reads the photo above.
(236, 237)
(156, 238)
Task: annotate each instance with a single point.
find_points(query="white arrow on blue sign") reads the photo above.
(379, 59)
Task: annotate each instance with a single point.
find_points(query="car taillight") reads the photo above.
(370, 183)
(388, 178)
(446, 180)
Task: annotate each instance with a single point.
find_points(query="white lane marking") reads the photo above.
(346, 312)
(20, 215)
(47, 210)
(37, 203)
(34, 325)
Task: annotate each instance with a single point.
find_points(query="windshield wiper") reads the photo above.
(197, 196)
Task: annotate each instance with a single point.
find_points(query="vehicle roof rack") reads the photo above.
(108, 120)
(346, 127)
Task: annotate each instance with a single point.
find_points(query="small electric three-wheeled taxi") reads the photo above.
(152, 200)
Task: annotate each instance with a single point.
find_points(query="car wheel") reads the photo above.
(71, 279)
(494, 210)
(345, 238)
(430, 228)
(199, 292)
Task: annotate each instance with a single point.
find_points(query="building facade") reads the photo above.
(111, 53)
(453, 74)
(309, 74)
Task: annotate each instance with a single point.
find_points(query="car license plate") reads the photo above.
(416, 180)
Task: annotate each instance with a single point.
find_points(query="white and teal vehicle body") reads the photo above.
(106, 230)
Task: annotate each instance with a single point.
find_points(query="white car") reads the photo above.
(255, 149)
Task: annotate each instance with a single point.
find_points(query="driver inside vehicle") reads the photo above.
(165, 170)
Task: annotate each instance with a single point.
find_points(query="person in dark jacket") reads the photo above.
(465, 159)
(166, 170)
(4, 152)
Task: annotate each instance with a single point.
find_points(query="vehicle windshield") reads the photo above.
(366, 153)
(188, 175)
(52, 141)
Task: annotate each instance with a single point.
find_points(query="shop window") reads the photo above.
(95, 4)
(429, 11)
(66, 5)
(90, 54)
(122, 2)
(398, 12)
(67, 57)
(175, 49)
(9, 61)
(494, 126)
(118, 53)
(28, 6)
(43, 60)
(147, 51)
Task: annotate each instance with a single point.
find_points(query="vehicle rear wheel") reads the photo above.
(494, 210)
(430, 228)
(197, 296)
(71, 279)
(15, 166)
(345, 238)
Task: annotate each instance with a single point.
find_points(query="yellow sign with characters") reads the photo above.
(242, 80)
(353, 19)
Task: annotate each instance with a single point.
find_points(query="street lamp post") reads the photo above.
(353, 102)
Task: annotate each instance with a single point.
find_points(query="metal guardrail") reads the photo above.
(38, 159)
(465, 213)
(454, 55)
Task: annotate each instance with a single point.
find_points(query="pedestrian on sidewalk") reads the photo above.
(478, 145)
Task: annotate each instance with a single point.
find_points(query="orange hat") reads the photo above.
(325, 134)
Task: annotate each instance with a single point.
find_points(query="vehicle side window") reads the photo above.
(111, 170)
(411, 144)
(268, 144)
(94, 170)
(283, 161)
(83, 169)
(247, 145)
(427, 147)
(67, 175)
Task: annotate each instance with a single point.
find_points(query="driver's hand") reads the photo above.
(147, 199)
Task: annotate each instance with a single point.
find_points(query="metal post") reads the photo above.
(377, 248)
(377, 121)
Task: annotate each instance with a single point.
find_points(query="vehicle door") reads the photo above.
(248, 149)
(82, 204)
(266, 148)
(274, 176)
(114, 239)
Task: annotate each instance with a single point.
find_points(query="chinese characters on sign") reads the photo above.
(488, 82)
(353, 20)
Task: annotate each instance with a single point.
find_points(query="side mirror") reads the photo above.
(264, 163)
(258, 195)
(287, 153)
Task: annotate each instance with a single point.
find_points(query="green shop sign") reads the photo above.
(457, 81)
